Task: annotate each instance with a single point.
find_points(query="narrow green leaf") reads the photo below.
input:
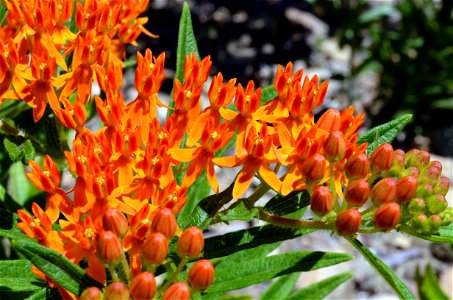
(428, 285)
(281, 287)
(245, 255)
(16, 276)
(21, 188)
(238, 212)
(43, 294)
(268, 93)
(64, 272)
(236, 297)
(321, 289)
(236, 276)
(187, 44)
(384, 133)
(197, 218)
(395, 283)
(377, 12)
(223, 245)
(444, 236)
(3, 12)
(282, 205)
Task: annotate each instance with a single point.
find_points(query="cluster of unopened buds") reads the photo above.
(149, 243)
(394, 188)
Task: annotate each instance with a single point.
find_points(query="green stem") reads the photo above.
(333, 188)
(170, 280)
(292, 223)
(262, 189)
(125, 267)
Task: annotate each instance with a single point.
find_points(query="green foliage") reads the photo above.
(56, 266)
(268, 93)
(395, 283)
(281, 287)
(235, 276)
(16, 276)
(384, 133)
(428, 285)
(445, 234)
(8, 225)
(16, 152)
(3, 12)
(321, 289)
(282, 205)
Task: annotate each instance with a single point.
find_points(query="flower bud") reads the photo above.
(431, 175)
(406, 188)
(348, 222)
(357, 192)
(165, 223)
(313, 168)
(416, 206)
(334, 146)
(143, 286)
(117, 290)
(442, 186)
(433, 224)
(330, 120)
(384, 191)
(155, 249)
(411, 171)
(177, 291)
(191, 242)
(108, 247)
(436, 203)
(447, 216)
(387, 216)
(398, 162)
(321, 200)
(424, 190)
(201, 274)
(382, 158)
(115, 221)
(418, 223)
(91, 293)
(357, 166)
(417, 158)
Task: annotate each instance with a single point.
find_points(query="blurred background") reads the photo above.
(387, 58)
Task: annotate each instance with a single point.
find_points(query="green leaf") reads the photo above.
(443, 104)
(44, 294)
(444, 235)
(223, 245)
(16, 276)
(64, 272)
(395, 283)
(236, 297)
(198, 218)
(384, 133)
(14, 151)
(428, 285)
(281, 287)
(321, 289)
(21, 188)
(268, 93)
(245, 255)
(8, 228)
(238, 212)
(282, 205)
(235, 276)
(3, 12)
(377, 13)
(187, 44)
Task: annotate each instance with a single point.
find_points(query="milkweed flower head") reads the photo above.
(134, 174)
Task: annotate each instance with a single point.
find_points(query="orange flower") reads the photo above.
(13, 63)
(256, 157)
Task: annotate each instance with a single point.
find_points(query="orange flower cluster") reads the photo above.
(36, 35)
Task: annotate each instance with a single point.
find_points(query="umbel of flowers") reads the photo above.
(119, 217)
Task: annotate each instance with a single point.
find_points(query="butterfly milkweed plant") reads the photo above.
(117, 210)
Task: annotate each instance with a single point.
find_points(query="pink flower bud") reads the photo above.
(191, 242)
(108, 247)
(330, 120)
(442, 186)
(417, 158)
(436, 203)
(382, 158)
(406, 188)
(334, 146)
(431, 175)
(143, 286)
(418, 223)
(348, 222)
(433, 224)
(155, 249)
(177, 291)
(321, 200)
(91, 293)
(384, 191)
(165, 223)
(387, 216)
(201, 274)
(416, 206)
(117, 290)
(424, 190)
(357, 192)
(357, 166)
(314, 168)
(413, 171)
(115, 221)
